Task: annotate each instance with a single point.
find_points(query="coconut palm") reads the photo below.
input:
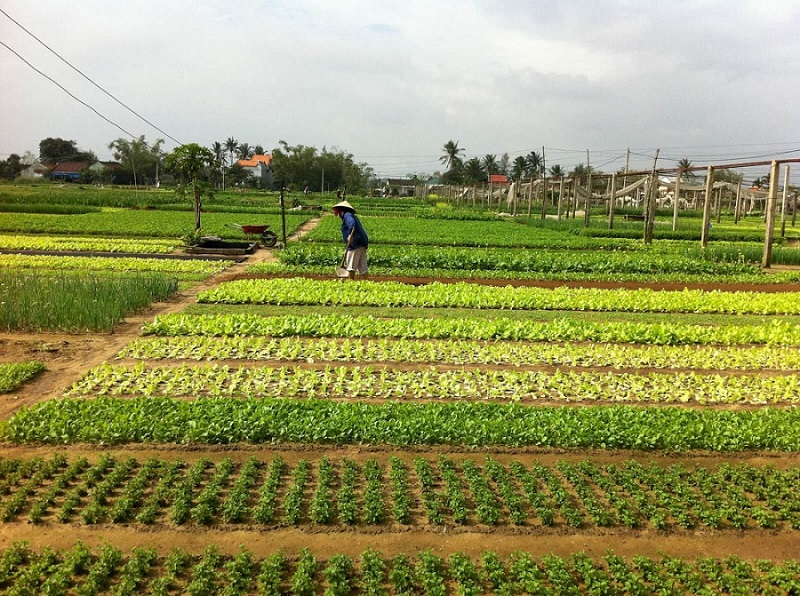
(473, 171)
(217, 149)
(489, 162)
(557, 171)
(684, 170)
(244, 151)
(534, 161)
(231, 145)
(452, 155)
(258, 150)
(519, 168)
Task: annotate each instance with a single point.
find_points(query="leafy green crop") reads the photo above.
(258, 420)
(465, 295)
(563, 329)
(468, 352)
(142, 571)
(187, 268)
(342, 382)
(14, 374)
(77, 243)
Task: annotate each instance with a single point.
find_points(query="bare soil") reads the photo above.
(67, 357)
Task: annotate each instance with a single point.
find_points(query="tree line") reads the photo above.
(143, 162)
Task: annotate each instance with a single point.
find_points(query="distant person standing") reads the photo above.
(355, 239)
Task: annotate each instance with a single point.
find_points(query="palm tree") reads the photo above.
(231, 145)
(557, 171)
(258, 150)
(217, 149)
(452, 154)
(534, 161)
(473, 171)
(490, 163)
(519, 168)
(684, 170)
(244, 151)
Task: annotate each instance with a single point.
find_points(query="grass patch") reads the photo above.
(57, 302)
(14, 374)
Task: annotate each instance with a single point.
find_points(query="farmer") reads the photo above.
(355, 238)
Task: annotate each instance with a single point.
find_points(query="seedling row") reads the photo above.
(439, 490)
(80, 570)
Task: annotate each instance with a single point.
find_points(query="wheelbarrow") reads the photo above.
(268, 237)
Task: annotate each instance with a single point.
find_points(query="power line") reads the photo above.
(60, 86)
(65, 61)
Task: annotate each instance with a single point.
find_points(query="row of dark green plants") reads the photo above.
(107, 569)
(441, 490)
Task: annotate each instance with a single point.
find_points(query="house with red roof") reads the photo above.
(498, 180)
(258, 167)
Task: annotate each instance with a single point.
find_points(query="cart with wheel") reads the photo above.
(267, 236)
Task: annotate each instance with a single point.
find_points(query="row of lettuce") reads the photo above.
(382, 382)
(305, 291)
(108, 569)
(396, 494)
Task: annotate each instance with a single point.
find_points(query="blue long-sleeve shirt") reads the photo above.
(349, 224)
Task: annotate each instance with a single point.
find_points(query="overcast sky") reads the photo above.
(713, 81)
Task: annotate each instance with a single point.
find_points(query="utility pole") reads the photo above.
(627, 163)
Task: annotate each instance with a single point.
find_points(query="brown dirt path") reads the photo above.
(749, 545)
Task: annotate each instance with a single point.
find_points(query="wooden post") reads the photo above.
(676, 198)
(575, 197)
(530, 197)
(707, 207)
(737, 210)
(783, 201)
(612, 199)
(560, 196)
(649, 208)
(544, 197)
(650, 211)
(587, 206)
(772, 199)
(719, 206)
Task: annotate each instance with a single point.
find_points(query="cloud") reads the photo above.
(402, 78)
